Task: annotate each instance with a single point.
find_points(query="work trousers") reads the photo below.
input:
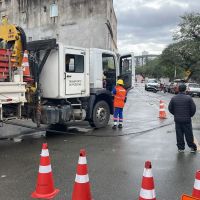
(184, 129)
(118, 115)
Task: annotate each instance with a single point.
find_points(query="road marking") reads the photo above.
(197, 143)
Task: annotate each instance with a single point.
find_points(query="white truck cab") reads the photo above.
(72, 85)
(71, 72)
(76, 83)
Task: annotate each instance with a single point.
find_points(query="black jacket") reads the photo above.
(182, 107)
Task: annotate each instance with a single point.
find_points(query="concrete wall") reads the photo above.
(84, 23)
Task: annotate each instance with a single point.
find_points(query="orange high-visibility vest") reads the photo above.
(119, 97)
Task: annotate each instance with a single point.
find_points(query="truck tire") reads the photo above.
(100, 115)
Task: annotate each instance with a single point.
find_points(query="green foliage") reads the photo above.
(189, 27)
(155, 69)
(185, 52)
(180, 56)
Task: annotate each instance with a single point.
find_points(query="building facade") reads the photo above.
(84, 23)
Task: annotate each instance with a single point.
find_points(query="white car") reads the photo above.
(193, 89)
(152, 85)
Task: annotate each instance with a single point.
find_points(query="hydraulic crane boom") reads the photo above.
(12, 38)
(12, 86)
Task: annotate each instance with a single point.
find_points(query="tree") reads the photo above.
(185, 52)
(155, 69)
(188, 28)
(181, 56)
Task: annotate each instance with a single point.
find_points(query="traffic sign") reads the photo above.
(187, 197)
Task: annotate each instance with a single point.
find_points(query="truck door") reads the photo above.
(127, 70)
(109, 71)
(75, 72)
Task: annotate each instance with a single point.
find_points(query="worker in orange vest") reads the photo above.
(119, 101)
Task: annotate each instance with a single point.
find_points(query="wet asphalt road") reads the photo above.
(115, 158)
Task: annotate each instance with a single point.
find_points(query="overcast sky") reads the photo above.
(147, 25)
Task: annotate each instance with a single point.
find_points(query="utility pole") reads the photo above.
(175, 72)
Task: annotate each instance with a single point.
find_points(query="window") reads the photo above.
(109, 71)
(74, 63)
(22, 5)
(125, 65)
(152, 81)
(193, 85)
(108, 62)
(53, 10)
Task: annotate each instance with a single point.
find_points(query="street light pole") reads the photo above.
(174, 72)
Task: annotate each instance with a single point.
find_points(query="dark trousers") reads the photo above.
(184, 129)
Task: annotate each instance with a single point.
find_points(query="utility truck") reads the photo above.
(67, 84)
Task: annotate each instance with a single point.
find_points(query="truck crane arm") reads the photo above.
(13, 38)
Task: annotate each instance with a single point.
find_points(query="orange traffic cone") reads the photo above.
(147, 190)
(25, 64)
(196, 188)
(187, 197)
(162, 113)
(45, 184)
(81, 189)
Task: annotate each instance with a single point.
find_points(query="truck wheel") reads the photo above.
(100, 115)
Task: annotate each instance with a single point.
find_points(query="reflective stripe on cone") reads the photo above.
(147, 194)
(196, 188)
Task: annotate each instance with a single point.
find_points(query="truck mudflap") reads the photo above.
(55, 114)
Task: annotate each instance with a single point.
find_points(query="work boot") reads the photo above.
(114, 127)
(192, 150)
(120, 126)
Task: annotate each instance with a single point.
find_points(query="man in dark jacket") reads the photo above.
(183, 108)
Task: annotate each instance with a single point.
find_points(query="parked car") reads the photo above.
(193, 89)
(152, 85)
(173, 86)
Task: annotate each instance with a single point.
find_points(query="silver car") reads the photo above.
(152, 85)
(193, 89)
